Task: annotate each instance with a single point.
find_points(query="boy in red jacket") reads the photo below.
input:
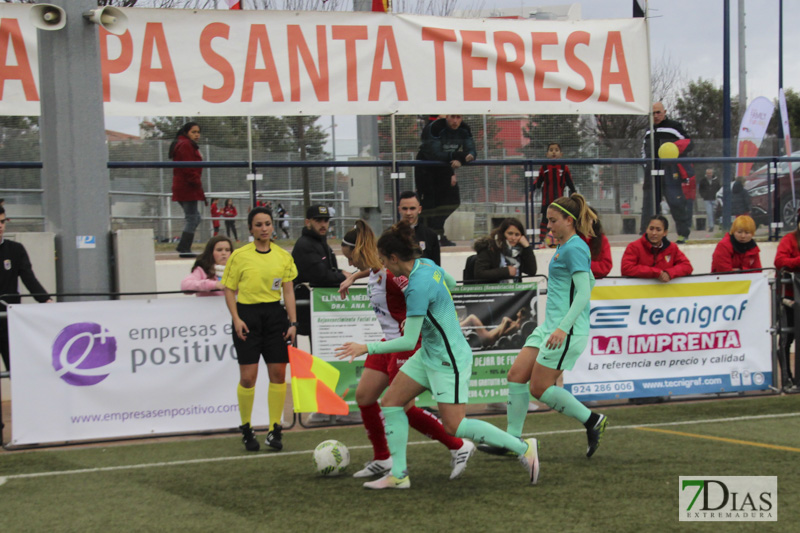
(653, 256)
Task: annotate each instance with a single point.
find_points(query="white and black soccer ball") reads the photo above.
(331, 458)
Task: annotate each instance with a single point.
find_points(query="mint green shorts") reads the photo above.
(446, 387)
(562, 358)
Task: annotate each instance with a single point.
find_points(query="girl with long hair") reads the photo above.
(208, 268)
(504, 255)
(187, 186)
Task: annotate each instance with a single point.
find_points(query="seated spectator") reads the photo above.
(653, 256)
(505, 254)
(787, 257)
(208, 268)
(600, 249)
(737, 250)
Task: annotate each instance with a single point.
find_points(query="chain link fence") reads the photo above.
(140, 197)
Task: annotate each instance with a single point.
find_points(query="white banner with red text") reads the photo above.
(695, 335)
(214, 63)
(92, 370)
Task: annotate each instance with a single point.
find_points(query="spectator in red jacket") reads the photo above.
(787, 257)
(229, 211)
(187, 186)
(653, 256)
(215, 214)
(599, 248)
(737, 250)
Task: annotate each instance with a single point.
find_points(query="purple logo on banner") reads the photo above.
(82, 353)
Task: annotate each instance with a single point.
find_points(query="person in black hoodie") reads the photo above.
(15, 266)
(315, 261)
(448, 140)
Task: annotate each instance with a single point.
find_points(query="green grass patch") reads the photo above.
(212, 484)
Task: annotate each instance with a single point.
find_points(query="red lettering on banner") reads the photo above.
(319, 78)
(439, 36)
(471, 63)
(394, 74)
(10, 33)
(543, 66)
(350, 34)
(607, 78)
(505, 67)
(252, 75)
(217, 62)
(114, 66)
(154, 38)
(582, 69)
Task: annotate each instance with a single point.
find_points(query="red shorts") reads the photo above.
(390, 363)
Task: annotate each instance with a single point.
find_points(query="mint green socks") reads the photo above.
(480, 431)
(517, 410)
(561, 400)
(396, 424)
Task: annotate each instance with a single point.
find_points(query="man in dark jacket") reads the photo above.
(668, 130)
(14, 266)
(410, 208)
(447, 140)
(315, 261)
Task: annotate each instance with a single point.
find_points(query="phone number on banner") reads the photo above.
(600, 388)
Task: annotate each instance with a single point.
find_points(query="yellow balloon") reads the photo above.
(668, 151)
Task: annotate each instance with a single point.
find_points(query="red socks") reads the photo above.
(429, 425)
(372, 417)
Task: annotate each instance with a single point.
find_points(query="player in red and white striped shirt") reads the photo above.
(553, 179)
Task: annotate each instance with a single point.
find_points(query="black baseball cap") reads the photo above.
(318, 211)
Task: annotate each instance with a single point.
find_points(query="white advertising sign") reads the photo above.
(93, 370)
(207, 62)
(693, 335)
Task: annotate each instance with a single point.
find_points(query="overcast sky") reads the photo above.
(688, 33)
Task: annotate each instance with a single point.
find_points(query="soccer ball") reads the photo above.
(331, 458)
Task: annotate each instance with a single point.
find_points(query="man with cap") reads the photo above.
(315, 261)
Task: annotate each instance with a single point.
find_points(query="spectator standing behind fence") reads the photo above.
(448, 140)
(737, 250)
(600, 249)
(215, 214)
(740, 200)
(709, 185)
(187, 185)
(553, 179)
(229, 211)
(206, 276)
(15, 266)
(254, 278)
(787, 257)
(689, 188)
(283, 221)
(653, 256)
(667, 130)
(505, 255)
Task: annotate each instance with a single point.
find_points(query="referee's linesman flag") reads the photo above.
(314, 385)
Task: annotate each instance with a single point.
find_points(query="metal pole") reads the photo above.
(726, 113)
(486, 155)
(396, 181)
(253, 188)
(742, 60)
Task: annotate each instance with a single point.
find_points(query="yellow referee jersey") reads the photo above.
(258, 276)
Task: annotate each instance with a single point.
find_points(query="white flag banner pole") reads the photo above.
(751, 131)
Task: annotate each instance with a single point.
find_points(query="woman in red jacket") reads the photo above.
(787, 257)
(737, 250)
(653, 256)
(187, 187)
(599, 248)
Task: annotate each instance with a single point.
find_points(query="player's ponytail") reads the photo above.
(361, 240)
(399, 240)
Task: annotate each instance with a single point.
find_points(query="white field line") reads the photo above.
(4, 479)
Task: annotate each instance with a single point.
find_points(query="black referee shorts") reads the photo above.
(267, 323)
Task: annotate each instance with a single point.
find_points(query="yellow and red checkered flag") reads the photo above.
(314, 385)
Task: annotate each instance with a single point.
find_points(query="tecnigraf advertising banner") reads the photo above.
(94, 370)
(218, 63)
(694, 335)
